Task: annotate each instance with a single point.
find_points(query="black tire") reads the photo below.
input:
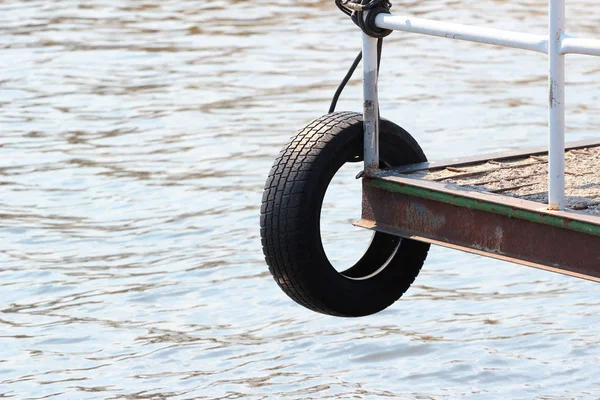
(290, 221)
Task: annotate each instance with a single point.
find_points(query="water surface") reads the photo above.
(136, 138)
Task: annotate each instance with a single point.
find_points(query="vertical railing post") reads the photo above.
(370, 104)
(556, 107)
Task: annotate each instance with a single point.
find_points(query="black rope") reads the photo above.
(362, 5)
(379, 50)
(342, 85)
(350, 72)
(340, 5)
(363, 13)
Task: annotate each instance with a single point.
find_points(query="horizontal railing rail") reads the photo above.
(468, 33)
(498, 37)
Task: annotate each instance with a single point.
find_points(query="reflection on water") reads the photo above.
(136, 137)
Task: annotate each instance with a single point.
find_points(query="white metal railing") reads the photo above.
(556, 44)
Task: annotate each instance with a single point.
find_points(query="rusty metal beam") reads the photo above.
(496, 226)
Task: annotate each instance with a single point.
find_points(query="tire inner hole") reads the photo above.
(344, 243)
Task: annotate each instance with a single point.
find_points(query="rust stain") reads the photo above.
(498, 234)
(420, 217)
(490, 241)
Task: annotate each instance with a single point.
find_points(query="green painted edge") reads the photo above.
(483, 205)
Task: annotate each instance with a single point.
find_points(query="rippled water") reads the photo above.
(136, 137)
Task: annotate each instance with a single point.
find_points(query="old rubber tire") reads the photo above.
(290, 221)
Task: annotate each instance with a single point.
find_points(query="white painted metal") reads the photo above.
(463, 32)
(370, 104)
(556, 45)
(573, 45)
(498, 37)
(556, 107)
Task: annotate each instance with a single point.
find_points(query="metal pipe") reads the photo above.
(448, 30)
(370, 104)
(573, 45)
(556, 107)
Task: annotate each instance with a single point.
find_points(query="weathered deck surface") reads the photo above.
(527, 178)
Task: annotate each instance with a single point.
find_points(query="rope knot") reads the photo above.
(363, 13)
